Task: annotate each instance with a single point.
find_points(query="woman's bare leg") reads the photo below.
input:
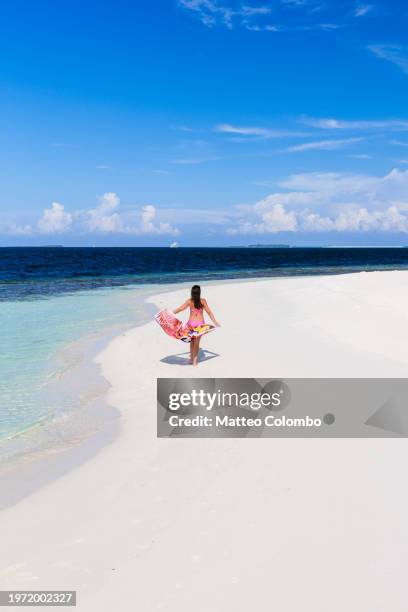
(192, 351)
(196, 350)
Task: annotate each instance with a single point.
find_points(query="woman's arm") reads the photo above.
(210, 313)
(182, 307)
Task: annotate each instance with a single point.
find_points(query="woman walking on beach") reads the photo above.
(197, 305)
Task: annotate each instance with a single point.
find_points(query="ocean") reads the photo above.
(30, 273)
(53, 299)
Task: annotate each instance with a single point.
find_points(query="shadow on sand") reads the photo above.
(184, 358)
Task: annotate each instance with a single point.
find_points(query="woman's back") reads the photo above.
(196, 314)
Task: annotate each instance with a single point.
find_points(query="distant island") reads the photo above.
(268, 246)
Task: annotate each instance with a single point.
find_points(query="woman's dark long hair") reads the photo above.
(196, 296)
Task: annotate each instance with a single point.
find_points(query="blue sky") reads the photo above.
(204, 122)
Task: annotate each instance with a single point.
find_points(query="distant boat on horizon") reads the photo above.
(174, 245)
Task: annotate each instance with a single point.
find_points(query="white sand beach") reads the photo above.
(227, 525)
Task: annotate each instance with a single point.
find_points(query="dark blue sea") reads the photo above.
(29, 273)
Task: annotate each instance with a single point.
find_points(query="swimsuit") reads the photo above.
(197, 322)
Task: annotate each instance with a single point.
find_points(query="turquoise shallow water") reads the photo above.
(35, 338)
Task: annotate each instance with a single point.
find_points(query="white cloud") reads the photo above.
(104, 218)
(184, 128)
(262, 28)
(324, 145)
(212, 12)
(396, 54)
(318, 202)
(209, 12)
(309, 202)
(338, 124)
(399, 143)
(362, 220)
(291, 15)
(260, 132)
(278, 219)
(199, 216)
(324, 26)
(150, 226)
(186, 161)
(19, 230)
(362, 9)
(54, 220)
(255, 10)
(274, 219)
